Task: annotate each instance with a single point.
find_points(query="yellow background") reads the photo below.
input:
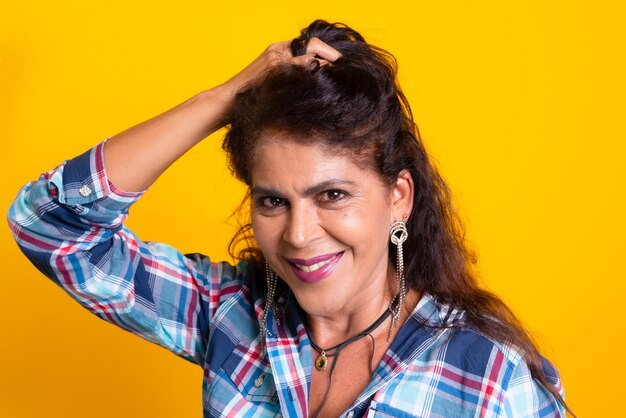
(521, 104)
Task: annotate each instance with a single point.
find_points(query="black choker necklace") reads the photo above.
(321, 362)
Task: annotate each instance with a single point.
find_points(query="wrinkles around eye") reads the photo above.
(332, 195)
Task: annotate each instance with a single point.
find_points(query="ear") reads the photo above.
(402, 196)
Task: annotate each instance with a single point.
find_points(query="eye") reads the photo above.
(272, 202)
(333, 195)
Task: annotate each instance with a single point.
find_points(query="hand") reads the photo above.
(279, 53)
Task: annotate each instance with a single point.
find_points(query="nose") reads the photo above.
(302, 226)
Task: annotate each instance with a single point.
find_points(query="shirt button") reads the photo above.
(85, 190)
(258, 382)
(350, 414)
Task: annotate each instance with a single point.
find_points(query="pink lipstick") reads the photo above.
(312, 270)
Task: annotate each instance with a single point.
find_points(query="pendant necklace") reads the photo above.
(321, 362)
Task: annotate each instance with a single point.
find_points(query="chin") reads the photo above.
(318, 302)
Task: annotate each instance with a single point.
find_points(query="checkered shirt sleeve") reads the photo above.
(69, 223)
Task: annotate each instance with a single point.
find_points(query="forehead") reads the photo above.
(281, 159)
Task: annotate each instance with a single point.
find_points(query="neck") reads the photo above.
(331, 329)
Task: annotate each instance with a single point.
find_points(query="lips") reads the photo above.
(312, 270)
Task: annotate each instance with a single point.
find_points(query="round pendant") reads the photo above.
(321, 362)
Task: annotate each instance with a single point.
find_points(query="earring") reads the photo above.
(398, 234)
(270, 276)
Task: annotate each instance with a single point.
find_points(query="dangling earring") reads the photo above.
(398, 234)
(270, 276)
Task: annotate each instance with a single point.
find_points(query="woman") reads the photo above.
(353, 295)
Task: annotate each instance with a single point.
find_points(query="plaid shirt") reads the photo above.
(70, 224)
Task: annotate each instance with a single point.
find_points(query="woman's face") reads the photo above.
(322, 223)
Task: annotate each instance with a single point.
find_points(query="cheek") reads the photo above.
(265, 233)
(365, 231)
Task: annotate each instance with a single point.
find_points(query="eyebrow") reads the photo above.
(312, 190)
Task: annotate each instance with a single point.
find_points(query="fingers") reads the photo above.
(319, 51)
(317, 47)
(306, 60)
(279, 53)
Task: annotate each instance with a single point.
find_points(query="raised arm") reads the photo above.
(136, 157)
(70, 224)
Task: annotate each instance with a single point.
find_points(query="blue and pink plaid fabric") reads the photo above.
(70, 224)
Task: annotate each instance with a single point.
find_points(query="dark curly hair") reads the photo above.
(355, 107)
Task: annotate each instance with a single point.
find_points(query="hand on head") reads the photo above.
(281, 53)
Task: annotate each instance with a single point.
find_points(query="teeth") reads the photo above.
(313, 267)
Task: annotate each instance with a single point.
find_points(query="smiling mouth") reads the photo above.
(316, 268)
(312, 267)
